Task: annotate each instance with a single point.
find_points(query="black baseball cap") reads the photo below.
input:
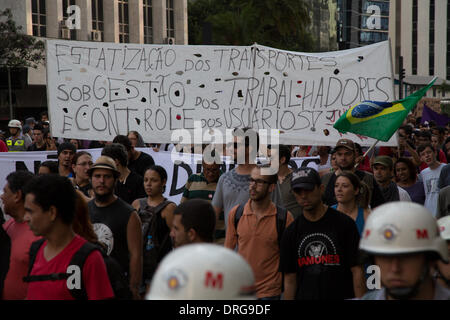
(305, 178)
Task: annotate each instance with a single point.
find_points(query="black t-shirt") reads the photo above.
(34, 147)
(322, 254)
(143, 162)
(132, 189)
(110, 225)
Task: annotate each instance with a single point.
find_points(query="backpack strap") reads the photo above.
(238, 215)
(281, 226)
(78, 259)
(34, 248)
(281, 223)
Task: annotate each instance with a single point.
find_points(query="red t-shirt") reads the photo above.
(21, 239)
(3, 147)
(94, 274)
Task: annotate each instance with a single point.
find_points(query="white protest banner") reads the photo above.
(97, 90)
(177, 173)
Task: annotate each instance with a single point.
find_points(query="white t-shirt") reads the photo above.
(403, 194)
(430, 180)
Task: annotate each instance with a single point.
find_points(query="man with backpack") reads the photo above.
(256, 228)
(116, 223)
(49, 212)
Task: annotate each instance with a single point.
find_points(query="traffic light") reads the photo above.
(402, 73)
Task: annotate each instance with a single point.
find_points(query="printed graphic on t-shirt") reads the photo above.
(432, 185)
(105, 236)
(317, 249)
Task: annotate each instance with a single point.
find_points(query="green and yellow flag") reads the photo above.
(376, 119)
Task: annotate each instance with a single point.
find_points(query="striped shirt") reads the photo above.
(197, 187)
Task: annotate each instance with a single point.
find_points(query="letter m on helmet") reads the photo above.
(422, 234)
(212, 281)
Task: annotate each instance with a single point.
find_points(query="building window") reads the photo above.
(431, 36)
(66, 4)
(148, 21)
(97, 16)
(38, 17)
(414, 38)
(124, 27)
(170, 19)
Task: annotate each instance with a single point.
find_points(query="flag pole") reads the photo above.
(366, 153)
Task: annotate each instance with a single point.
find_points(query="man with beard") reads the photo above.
(66, 151)
(116, 223)
(319, 249)
(256, 234)
(345, 159)
(383, 171)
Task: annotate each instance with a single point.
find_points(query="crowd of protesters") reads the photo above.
(300, 230)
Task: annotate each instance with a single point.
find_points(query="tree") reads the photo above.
(17, 50)
(277, 23)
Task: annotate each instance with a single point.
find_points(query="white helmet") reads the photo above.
(444, 227)
(402, 227)
(15, 124)
(202, 272)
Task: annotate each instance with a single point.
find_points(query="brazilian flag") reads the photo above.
(379, 120)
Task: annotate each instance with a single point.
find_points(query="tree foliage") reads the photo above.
(18, 49)
(277, 23)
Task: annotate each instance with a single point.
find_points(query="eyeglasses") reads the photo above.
(86, 163)
(259, 182)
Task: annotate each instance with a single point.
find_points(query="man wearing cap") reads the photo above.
(345, 159)
(383, 171)
(66, 151)
(319, 249)
(402, 240)
(116, 223)
(17, 141)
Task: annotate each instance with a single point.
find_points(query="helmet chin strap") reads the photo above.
(406, 293)
(441, 276)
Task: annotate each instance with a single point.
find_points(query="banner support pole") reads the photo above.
(366, 153)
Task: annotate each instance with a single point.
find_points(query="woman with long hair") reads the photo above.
(405, 173)
(352, 197)
(156, 213)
